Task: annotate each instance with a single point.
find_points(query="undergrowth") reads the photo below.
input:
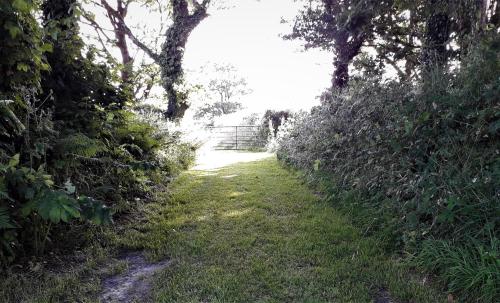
(416, 164)
(73, 153)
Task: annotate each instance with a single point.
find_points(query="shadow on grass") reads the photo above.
(253, 232)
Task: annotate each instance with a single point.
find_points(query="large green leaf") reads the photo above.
(57, 206)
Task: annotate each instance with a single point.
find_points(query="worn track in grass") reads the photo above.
(134, 283)
(253, 232)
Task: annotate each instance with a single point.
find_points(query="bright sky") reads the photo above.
(281, 75)
(247, 35)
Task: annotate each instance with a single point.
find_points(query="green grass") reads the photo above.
(251, 232)
(254, 232)
(76, 279)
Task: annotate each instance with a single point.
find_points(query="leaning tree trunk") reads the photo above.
(347, 47)
(172, 54)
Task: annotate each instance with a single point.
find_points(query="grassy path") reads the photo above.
(252, 232)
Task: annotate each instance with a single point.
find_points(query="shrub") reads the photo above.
(71, 153)
(421, 159)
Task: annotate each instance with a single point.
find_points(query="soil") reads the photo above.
(133, 285)
(383, 296)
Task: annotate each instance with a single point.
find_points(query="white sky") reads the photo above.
(280, 74)
(246, 35)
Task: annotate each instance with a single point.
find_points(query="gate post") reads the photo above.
(236, 137)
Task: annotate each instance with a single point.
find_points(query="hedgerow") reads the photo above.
(72, 152)
(417, 164)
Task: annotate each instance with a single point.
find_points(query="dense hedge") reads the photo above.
(72, 152)
(417, 163)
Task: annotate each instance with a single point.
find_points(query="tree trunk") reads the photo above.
(341, 73)
(127, 60)
(172, 54)
(117, 19)
(434, 54)
(483, 15)
(347, 47)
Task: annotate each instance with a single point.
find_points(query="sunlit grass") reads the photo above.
(263, 236)
(259, 236)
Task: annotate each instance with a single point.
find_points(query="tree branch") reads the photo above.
(119, 19)
(152, 54)
(99, 31)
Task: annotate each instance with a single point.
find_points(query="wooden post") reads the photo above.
(236, 137)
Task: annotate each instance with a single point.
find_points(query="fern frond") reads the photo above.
(80, 145)
(5, 219)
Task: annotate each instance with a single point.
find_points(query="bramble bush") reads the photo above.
(417, 163)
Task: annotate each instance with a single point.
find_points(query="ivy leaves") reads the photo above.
(22, 5)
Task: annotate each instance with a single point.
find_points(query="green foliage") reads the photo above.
(5, 222)
(473, 270)
(71, 155)
(415, 162)
(36, 205)
(79, 144)
(22, 48)
(94, 211)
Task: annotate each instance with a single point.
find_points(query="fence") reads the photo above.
(240, 137)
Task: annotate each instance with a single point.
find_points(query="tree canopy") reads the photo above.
(405, 35)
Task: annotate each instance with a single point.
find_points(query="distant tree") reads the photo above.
(275, 119)
(222, 93)
(252, 119)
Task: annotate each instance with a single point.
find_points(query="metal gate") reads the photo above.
(240, 137)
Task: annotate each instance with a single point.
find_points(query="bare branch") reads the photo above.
(141, 45)
(96, 26)
(119, 24)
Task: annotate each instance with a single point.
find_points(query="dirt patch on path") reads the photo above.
(383, 296)
(134, 285)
